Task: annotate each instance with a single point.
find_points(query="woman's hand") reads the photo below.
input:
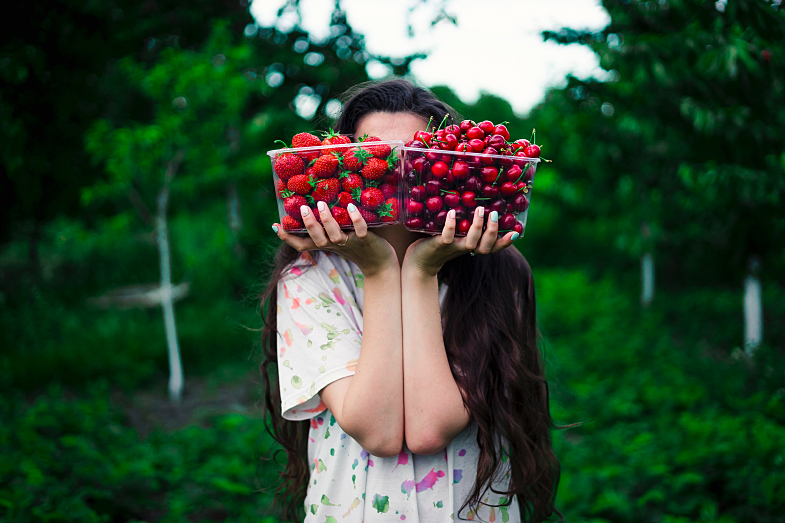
(368, 251)
(429, 254)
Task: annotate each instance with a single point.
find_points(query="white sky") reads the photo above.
(496, 46)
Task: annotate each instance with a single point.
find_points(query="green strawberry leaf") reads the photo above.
(356, 192)
(310, 200)
(385, 210)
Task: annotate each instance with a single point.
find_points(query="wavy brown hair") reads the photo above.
(490, 335)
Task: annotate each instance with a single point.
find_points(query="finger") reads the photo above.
(296, 242)
(488, 239)
(360, 227)
(332, 228)
(505, 241)
(448, 233)
(315, 229)
(475, 231)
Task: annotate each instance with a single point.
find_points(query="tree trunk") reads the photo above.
(167, 301)
(753, 308)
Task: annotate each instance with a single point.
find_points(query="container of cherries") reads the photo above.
(464, 166)
(338, 172)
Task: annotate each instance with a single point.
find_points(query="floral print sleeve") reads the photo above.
(319, 330)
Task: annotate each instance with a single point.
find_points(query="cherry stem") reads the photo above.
(522, 174)
(499, 175)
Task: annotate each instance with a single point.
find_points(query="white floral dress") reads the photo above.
(320, 324)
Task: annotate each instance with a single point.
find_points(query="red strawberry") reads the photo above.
(369, 216)
(299, 184)
(388, 190)
(325, 166)
(326, 190)
(371, 198)
(374, 169)
(292, 205)
(351, 181)
(291, 224)
(379, 151)
(353, 160)
(333, 138)
(306, 140)
(345, 198)
(341, 216)
(288, 165)
(280, 188)
(390, 211)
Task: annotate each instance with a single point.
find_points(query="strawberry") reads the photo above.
(341, 216)
(306, 140)
(287, 165)
(390, 178)
(379, 151)
(388, 190)
(326, 190)
(291, 224)
(280, 188)
(353, 160)
(390, 210)
(309, 171)
(299, 184)
(345, 198)
(371, 198)
(292, 205)
(325, 166)
(374, 169)
(351, 181)
(369, 216)
(333, 138)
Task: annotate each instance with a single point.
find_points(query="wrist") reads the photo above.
(415, 271)
(385, 272)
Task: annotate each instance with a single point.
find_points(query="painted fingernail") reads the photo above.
(514, 236)
(494, 216)
(304, 210)
(452, 213)
(481, 211)
(275, 229)
(351, 207)
(321, 205)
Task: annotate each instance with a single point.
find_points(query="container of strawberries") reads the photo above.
(462, 167)
(338, 172)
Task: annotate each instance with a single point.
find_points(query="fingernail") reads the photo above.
(351, 207)
(321, 205)
(452, 213)
(304, 210)
(515, 236)
(494, 216)
(481, 211)
(275, 229)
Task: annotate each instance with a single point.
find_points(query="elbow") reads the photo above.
(383, 444)
(384, 449)
(427, 443)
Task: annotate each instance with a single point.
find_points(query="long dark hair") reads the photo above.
(490, 335)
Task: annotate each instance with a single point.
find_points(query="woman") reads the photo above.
(415, 365)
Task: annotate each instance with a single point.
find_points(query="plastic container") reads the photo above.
(367, 174)
(435, 181)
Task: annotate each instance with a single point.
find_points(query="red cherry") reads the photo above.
(507, 189)
(530, 170)
(431, 227)
(486, 126)
(450, 142)
(532, 151)
(502, 130)
(434, 203)
(419, 164)
(497, 141)
(441, 218)
(460, 170)
(466, 125)
(433, 155)
(453, 129)
(518, 162)
(507, 222)
(499, 206)
(424, 137)
(474, 184)
(490, 191)
(415, 222)
(463, 226)
(477, 145)
(452, 200)
(520, 186)
(468, 199)
(489, 174)
(463, 147)
(433, 187)
(520, 203)
(460, 214)
(518, 227)
(414, 208)
(475, 133)
(439, 169)
(418, 193)
(488, 161)
(520, 144)
(513, 173)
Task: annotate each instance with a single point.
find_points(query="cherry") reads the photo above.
(520, 144)
(433, 187)
(423, 137)
(518, 162)
(434, 203)
(450, 142)
(513, 173)
(490, 191)
(507, 222)
(477, 145)
(486, 126)
(474, 184)
(520, 186)
(497, 141)
(508, 189)
(489, 174)
(418, 193)
(529, 176)
(431, 227)
(441, 217)
(428, 216)
(488, 161)
(439, 169)
(520, 203)
(502, 130)
(468, 199)
(518, 227)
(475, 133)
(419, 164)
(450, 178)
(433, 155)
(453, 129)
(508, 161)
(460, 170)
(414, 208)
(415, 144)
(411, 178)
(466, 125)
(460, 214)
(463, 226)
(452, 200)
(414, 223)
(463, 147)
(499, 206)
(532, 151)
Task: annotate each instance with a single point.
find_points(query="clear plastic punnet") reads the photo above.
(366, 174)
(436, 181)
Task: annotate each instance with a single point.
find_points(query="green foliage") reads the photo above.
(78, 460)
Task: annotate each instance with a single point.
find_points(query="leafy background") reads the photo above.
(679, 154)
